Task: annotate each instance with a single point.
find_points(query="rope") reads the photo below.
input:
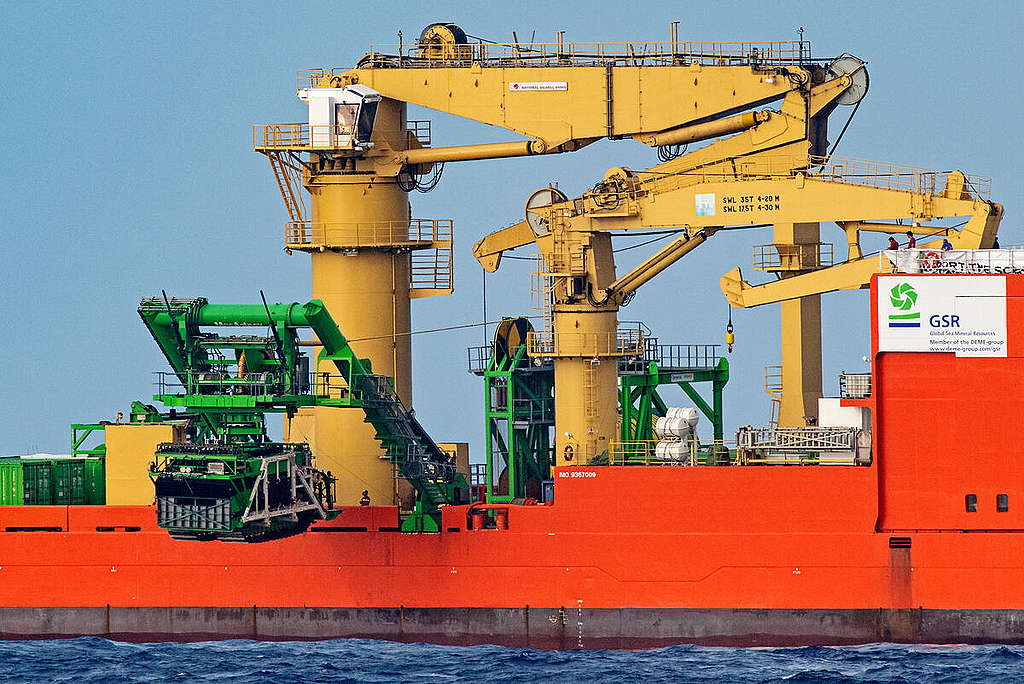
(316, 343)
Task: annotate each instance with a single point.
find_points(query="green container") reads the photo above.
(68, 477)
(38, 482)
(61, 481)
(95, 482)
(12, 491)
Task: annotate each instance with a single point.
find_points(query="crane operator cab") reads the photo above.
(341, 118)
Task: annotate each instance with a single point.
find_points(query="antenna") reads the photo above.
(174, 322)
(167, 304)
(273, 328)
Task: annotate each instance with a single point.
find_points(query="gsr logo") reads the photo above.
(944, 321)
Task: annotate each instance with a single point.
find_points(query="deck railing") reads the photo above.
(931, 260)
(691, 453)
(855, 385)
(306, 234)
(547, 343)
(561, 53)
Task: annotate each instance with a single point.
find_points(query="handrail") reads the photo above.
(955, 261)
(645, 453)
(666, 356)
(885, 175)
(855, 385)
(544, 343)
(301, 136)
(647, 53)
(300, 234)
(773, 380)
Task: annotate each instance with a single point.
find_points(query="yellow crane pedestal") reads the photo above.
(362, 274)
(363, 246)
(585, 347)
(797, 249)
(801, 361)
(360, 271)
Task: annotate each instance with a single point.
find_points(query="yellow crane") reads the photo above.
(773, 172)
(358, 156)
(574, 236)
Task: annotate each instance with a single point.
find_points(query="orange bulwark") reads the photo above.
(924, 544)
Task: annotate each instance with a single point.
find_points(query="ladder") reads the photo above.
(288, 182)
(542, 285)
(773, 388)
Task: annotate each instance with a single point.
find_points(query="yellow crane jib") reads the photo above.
(858, 206)
(559, 92)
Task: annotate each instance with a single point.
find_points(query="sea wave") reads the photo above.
(358, 660)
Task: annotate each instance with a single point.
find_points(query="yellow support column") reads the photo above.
(801, 332)
(366, 290)
(586, 383)
(362, 276)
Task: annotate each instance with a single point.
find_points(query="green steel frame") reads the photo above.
(519, 414)
(81, 432)
(640, 402)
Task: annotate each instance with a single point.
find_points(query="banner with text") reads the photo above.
(956, 260)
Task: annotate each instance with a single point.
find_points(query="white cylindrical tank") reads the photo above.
(688, 413)
(672, 451)
(669, 427)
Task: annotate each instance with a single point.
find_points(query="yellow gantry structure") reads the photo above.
(369, 257)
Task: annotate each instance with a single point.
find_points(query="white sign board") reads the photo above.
(965, 315)
(519, 86)
(704, 204)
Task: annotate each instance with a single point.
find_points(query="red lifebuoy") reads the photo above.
(931, 260)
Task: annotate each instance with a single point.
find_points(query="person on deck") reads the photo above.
(995, 242)
(365, 501)
(911, 240)
(892, 243)
(946, 246)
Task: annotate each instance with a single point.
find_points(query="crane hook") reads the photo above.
(730, 338)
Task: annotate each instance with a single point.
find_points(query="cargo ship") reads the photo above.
(600, 516)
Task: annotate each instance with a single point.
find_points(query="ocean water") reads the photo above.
(99, 660)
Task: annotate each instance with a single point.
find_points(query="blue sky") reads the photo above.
(128, 169)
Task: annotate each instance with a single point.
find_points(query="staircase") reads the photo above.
(408, 445)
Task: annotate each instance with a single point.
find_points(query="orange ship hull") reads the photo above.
(553, 578)
(624, 557)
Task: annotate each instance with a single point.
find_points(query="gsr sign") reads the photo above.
(944, 321)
